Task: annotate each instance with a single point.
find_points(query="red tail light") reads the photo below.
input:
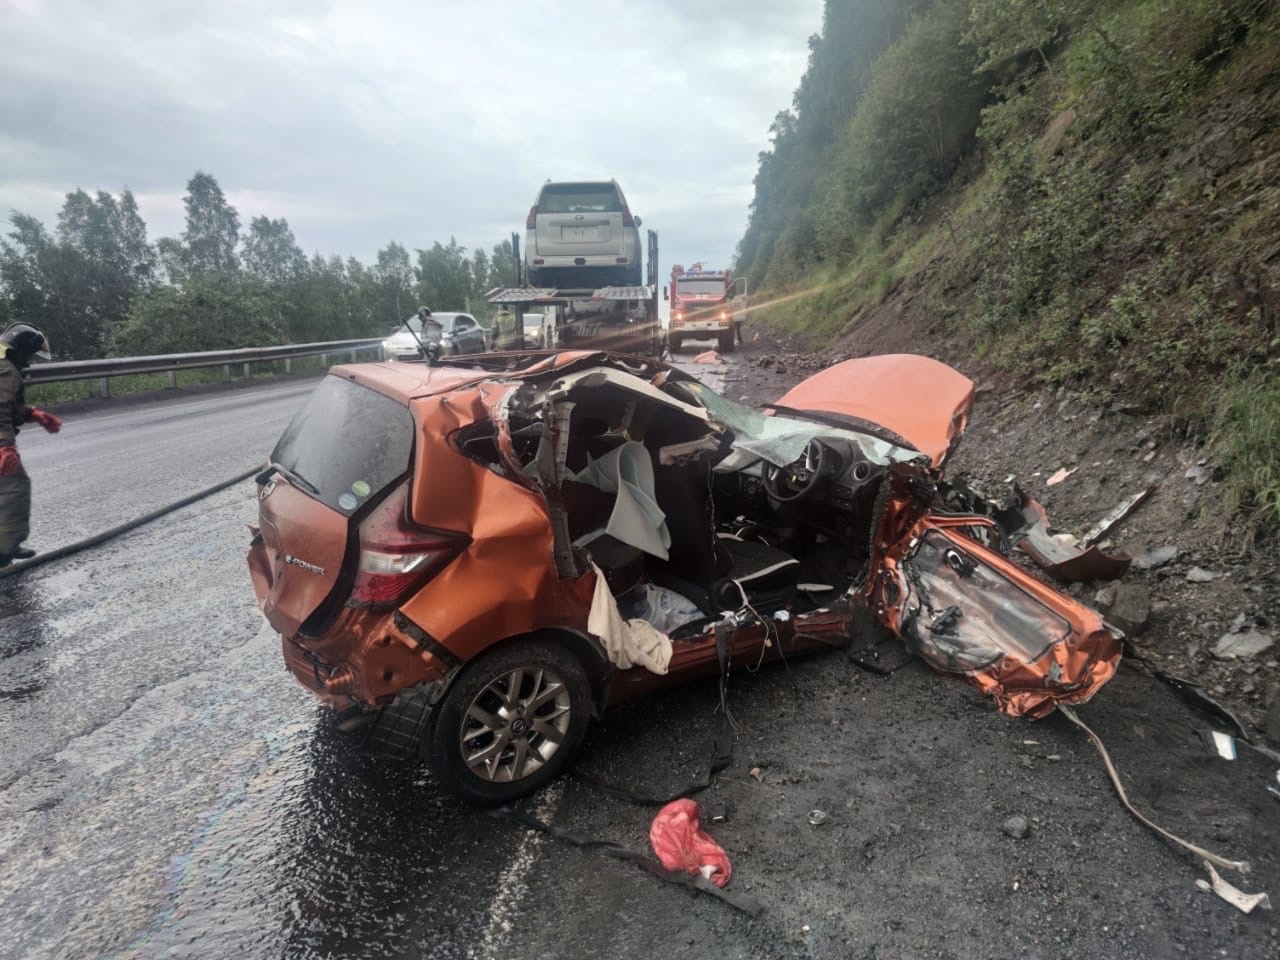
(627, 219)
(532, 220)
(396, 556)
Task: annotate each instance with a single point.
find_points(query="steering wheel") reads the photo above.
(798, 478)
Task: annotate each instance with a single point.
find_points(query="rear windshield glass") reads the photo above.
(346, 444)
(579, 198)
(691, 288)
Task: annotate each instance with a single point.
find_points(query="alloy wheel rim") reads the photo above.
(515, 724)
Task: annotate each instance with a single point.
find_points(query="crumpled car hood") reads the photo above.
(922, 400)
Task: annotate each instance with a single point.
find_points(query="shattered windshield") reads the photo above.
(779, 439)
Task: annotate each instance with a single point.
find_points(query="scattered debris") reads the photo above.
(1194, 695)
(1242, 645)
(682, 845)
(1017, 827)
(1200, 575)
(1154, 559)
(1244, 902)
(1121, 511)
(1061, 557)
(1241, 866)
(757, 774)
(1223, 744)
(817, 818)
(1059, 476)
(1227, 747)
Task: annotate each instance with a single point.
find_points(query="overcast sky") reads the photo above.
(366, 122)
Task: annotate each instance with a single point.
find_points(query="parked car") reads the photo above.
(481, 558)
(452, 333)
(414, 335)
(535, 332)
(582, 234)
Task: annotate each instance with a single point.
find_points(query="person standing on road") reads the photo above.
(18, 345)
(507, 331)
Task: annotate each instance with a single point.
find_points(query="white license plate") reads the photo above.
(578, 233)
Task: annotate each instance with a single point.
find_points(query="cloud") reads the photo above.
(364, 123)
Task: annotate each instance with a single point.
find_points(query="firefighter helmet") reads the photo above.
(25, 342)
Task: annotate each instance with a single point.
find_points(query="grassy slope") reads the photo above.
(1122, 231)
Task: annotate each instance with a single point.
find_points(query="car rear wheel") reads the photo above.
(510, 723)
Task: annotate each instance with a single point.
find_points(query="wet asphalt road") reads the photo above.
(167, 790)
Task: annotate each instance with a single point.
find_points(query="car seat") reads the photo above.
(716, 572)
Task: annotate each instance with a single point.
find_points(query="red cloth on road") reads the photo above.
(681, 844)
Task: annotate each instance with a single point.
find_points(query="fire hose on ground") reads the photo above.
(123, 528)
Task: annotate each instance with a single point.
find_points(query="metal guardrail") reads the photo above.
(104, 370)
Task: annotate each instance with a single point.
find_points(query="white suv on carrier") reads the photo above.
(582, 234)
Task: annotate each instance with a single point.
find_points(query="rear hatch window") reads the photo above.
(580, 198)
(349, 443)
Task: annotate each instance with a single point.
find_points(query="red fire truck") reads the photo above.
(705, 305)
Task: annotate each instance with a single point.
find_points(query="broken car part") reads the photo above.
(1059, 558)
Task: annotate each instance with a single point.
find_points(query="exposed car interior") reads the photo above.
(654, 491)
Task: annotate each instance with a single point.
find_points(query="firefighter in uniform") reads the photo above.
(507, 332)
(18, 345)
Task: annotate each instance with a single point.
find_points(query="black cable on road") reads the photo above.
(77, 547)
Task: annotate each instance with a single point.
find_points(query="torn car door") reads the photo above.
(966, 609)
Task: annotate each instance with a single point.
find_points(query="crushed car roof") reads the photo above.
(405, 380)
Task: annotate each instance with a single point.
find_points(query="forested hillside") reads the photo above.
(1073, 191)
(98, 287)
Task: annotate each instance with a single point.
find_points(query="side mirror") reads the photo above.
(664, 293)
(638, 221)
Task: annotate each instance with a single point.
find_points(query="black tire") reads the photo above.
(726, 342)
(545, 669)
(674, 344)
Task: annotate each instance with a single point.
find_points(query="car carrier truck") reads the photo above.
(621, 318)
(705, 305)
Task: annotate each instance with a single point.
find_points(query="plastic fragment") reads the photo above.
(1244, 902)
(682, 845)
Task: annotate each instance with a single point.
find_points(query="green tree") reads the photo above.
(50, 284)
(213, 228)
(444, 276)
(208, 312)
(392, 286)
(502, 266)
(272, 254)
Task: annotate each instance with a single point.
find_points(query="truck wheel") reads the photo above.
(726, 342)
(510, 723)
(674, 344)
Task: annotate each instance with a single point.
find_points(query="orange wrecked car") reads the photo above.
(478, 555)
